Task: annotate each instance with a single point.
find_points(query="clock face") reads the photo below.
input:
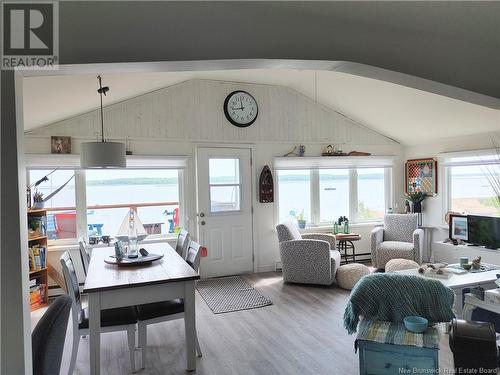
(240, 108)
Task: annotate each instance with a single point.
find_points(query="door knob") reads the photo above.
(202, 214)
(203, 222)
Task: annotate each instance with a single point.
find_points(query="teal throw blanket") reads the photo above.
(390, 297)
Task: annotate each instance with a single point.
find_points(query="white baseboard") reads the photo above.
(267, 268)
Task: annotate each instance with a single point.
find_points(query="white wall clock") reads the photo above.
(241, 109)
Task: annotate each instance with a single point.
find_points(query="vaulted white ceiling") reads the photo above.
(407, 115)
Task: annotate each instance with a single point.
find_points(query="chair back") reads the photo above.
(47, 339)
(288, 232)
(182, 243)
(71, 280)
(84, 254)
(400, 227)
(193, 255)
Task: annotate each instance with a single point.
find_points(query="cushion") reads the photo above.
(349, 274)
(288, 232)
(388, 250)
(335, 260)
(400, 264)
(110, 317)
(400, 227)
(158, 309)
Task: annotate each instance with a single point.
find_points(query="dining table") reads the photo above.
(110, 286)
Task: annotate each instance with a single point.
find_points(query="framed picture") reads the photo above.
(458, 227)
(421, 175)
(60, 145)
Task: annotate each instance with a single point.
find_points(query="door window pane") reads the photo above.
(294, 194)
(224, 171)
(224, 198)
(154, 194)
(61, 210)
(371, 196)
(224, 185)
(333, 194)
(471, 192)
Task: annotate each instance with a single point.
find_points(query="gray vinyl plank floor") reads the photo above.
(301, 333)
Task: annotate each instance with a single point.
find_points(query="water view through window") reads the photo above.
(471, 192)
(154, 194)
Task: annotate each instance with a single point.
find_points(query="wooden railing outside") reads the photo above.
(122, 205)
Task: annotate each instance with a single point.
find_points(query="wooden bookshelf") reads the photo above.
(39, 279)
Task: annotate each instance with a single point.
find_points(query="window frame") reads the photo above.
(239, 184)
(315, 202)
(42, 162)
(460, 159)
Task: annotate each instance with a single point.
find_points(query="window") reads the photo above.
(294, 194)
(333, 194)
(325, 194)
(61, 208)
(153, 194)
(224, 184)
(470, 190)
(371, 194)
(95, 202)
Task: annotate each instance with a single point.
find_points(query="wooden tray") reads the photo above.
(131, 262)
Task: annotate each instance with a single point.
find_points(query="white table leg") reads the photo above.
(190, 324)
(457, 303)
(95, 333)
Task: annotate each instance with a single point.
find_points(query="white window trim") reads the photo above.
(72, 161)
(288, 164)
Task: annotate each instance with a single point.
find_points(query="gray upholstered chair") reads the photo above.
(400, 238)
(47, 339)
(309, 258)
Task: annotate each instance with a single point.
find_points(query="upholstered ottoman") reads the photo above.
(400, 264)
(349, 274)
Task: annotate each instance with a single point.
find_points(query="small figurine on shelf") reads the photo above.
(329, 150)
(476, 263)
(302, 150)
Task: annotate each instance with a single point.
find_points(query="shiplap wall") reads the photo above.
(192, 111)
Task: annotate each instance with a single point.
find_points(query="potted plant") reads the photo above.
(38, 201)
(416, 199)
(301, 221)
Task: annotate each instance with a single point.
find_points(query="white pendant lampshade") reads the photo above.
(103, 155)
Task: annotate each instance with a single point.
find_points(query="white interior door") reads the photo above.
(224, 188)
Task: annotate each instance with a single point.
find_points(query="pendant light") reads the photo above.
(102, 154)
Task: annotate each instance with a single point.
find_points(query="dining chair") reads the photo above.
(158, 312)
(112, 320)
(84, 254)
(47, 339)
(182, 243)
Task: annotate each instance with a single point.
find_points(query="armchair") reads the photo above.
(310, 258)
(400, 238)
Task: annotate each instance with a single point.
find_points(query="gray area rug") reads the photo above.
(228, 294)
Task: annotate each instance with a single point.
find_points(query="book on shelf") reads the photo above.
(37, 257)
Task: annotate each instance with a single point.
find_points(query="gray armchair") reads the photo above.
(308, 259)
(400, 238)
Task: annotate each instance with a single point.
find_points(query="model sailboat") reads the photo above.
(131, 219)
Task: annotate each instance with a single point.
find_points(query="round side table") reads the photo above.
(344, 243)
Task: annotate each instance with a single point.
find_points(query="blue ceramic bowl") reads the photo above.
(416, 324)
